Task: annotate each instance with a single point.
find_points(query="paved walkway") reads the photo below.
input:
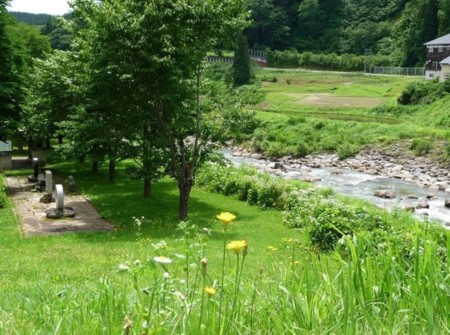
(32, 213)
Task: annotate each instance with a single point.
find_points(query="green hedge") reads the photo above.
(247, 183)
(332, 61)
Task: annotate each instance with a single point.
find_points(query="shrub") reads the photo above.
(257, 188)
(420, 147)
(3, 197)
(347, 150)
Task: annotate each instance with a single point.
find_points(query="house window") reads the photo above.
(434, 65)
(440, 49)
(431, 75)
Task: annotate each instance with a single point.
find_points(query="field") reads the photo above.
(305, 111)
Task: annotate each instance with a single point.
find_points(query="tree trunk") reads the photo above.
(48, 144)
(112, 170)
(20, 142)
(81, 159)
(184, 190)
(60, 139)
(147, 164)
(95, 167)
(147, 187)
(30, 147)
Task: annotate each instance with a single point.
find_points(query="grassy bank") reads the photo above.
(111, 283)
(305, 112)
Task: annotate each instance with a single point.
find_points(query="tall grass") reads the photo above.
(365, 292)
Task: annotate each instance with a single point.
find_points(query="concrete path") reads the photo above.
(32, 213)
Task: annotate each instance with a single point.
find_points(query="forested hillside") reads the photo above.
(32, 19)
(396, 28)
(390, 27)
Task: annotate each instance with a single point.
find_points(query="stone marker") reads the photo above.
(59, 197)
(48, 181)
(72, 184)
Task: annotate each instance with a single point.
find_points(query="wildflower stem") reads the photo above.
(223, 276)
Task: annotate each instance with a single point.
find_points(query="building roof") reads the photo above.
(440, 40)
(445, 61)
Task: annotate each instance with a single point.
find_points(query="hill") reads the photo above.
(32, 19)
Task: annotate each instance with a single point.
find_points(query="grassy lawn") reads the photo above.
(71, 284)
(76, 258)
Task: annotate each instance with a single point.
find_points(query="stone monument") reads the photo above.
(60, 211)
(48, 197)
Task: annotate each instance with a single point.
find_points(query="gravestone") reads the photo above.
(59, 197)
(35, 176)
(60, 211)
(48, 197)
(72, 184)
(48, 181)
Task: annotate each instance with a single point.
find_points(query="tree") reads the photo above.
(10, 92)
(241, 64)
(160, 46)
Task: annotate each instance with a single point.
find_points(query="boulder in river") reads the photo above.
(423, 205)
(384, 194)
(447, 203)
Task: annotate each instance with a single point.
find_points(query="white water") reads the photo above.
(362, 185)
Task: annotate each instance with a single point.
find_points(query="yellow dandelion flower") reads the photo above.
(226, 217)
(237, 246)
(210, 291)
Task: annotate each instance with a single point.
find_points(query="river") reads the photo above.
(363, 185)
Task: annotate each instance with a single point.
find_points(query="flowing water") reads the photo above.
(362, 185)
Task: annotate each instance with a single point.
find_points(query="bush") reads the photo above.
(3, 197)
(326, 219)
(422, 93)
(347, 150)
(246, 182)
(420, 147)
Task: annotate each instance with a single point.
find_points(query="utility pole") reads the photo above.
(367, 60)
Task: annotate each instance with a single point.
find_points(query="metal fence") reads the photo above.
(402, 71)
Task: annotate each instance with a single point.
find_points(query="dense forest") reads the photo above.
(397, 28)
(394, 28)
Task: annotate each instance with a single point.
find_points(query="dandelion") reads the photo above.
(226, 218)
(210, 291)
(204, 262)
(137, 262)
(162, 260)
(237, 246)
(166, 275)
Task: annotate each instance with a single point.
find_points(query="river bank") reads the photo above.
(385, 178)
(393, 163)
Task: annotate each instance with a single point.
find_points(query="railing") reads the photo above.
(402, 71)
(256, 55)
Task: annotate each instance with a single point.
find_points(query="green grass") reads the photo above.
(70, 284)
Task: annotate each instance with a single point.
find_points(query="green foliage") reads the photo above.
(423, 92)
(216, 71)
(331, 61)
(421, 147)
(247, 183)
(347, 150)
(3, 197)
(329, 220)
(241, 64)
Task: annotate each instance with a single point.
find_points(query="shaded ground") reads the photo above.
(32, 213)
(329, 100)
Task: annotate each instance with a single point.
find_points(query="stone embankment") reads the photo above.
(421, 170)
